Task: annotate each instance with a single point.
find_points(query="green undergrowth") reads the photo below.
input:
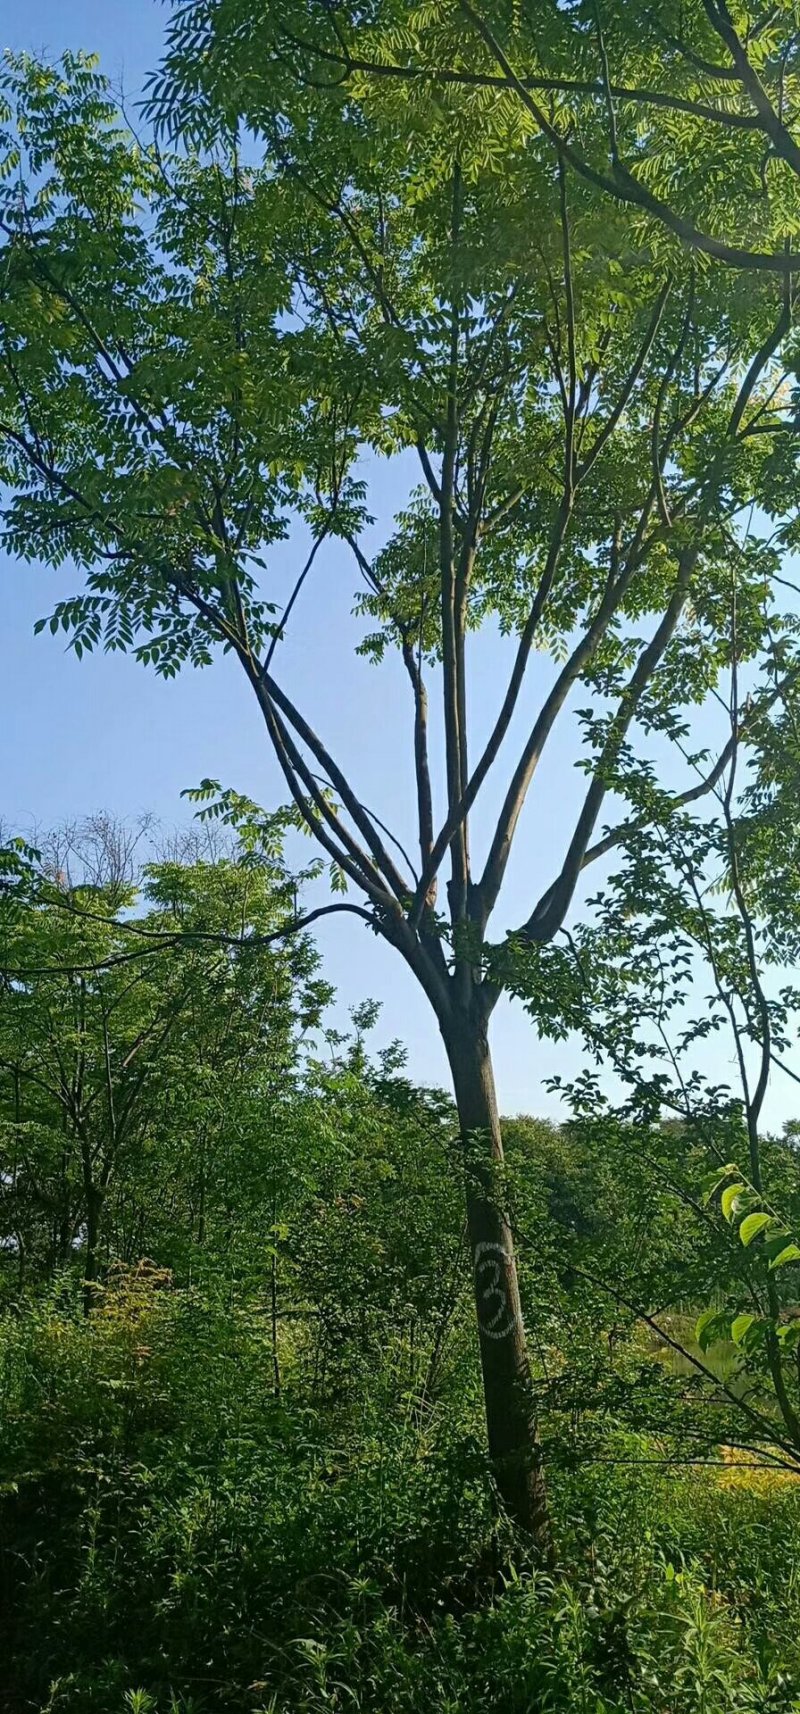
(178, 1538)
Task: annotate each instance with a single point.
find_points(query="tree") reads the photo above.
(101, 1017)
(196, 351)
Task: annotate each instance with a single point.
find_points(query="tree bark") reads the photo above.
(511, 1423)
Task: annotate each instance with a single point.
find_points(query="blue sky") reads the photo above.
(106, 734)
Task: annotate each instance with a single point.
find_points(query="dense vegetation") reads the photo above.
(243, 1464)
(320, 1389)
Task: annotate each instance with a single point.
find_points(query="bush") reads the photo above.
(176, 1538)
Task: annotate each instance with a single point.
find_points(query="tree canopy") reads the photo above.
(209, 343)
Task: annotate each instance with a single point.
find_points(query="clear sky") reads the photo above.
(104, 733)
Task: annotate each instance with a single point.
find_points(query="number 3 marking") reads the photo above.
(495, 1322)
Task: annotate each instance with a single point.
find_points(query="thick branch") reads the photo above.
(263, 682)
(582, 654)
(503, 721)
(572, 479)
(465, 78)
(452, 647)
(623, 185)
(547, 918)
(607, 428)
(421, 764)
(184, 939)
(762, 357)
(769, 121)
(617, 835)
(280, 630)
(347, 854)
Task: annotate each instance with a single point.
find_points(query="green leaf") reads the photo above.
(790, 1253)
(741, 1326)
(730, 1197)
(712, 1325)
(773, 1246)
(752, 1225)
(703, 1325)
(711, 1181)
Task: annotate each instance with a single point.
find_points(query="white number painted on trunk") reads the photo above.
(496, 1317)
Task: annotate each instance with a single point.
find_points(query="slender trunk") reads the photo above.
(65, 1232)
(273, 1287)
(511, 1423)
(201, 1217)
(94, 1208)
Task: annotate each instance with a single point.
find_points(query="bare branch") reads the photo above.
(265, 684)
(610, 603)
(607, 428)
(347, 853)
(280, 630)
(494, 742)
(549, 914)
(182, 941)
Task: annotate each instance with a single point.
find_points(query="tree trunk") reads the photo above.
(94, 1209)
(508, 1393)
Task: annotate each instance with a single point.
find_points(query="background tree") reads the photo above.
(102, 1014)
